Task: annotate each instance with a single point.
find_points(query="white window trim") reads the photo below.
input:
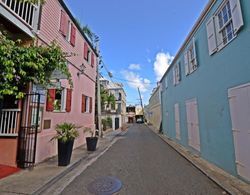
(191, 64)
(87, 103)
(216, 43)
(218, 29)
(69, 31)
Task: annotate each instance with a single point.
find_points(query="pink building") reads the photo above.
(61, 103)
(58, 103)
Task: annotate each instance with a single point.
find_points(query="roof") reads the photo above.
(191, 33)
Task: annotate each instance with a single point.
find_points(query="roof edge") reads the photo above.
(191, 33)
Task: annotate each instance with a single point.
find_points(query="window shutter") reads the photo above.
(83, 103)
(63, 23)
(218, 37)
(85, 51)
(186, 63)
(90, 105)
(236, 14)
(195, 55)
(92, 59)
(174, 75)
(211, 36)
(73, 35)
(68, 100)
(51, 94)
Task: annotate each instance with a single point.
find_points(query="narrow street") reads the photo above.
(145, 165)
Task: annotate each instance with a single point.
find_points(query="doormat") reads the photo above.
(7, 170)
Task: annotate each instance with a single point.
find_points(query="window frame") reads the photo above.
(177, 73)
(63, 100)
(220, 29)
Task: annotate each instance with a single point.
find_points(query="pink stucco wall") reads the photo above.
(82, 84)
(8, 149)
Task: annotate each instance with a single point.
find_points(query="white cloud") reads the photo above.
(161, 64)
(134, 67)
(135, 80)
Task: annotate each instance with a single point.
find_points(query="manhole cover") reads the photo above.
(105, 186)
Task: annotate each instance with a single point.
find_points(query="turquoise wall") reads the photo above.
(209, 84)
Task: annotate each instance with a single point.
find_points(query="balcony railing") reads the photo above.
(9, 122)
(25, 11)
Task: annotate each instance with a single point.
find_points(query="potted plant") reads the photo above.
(91, 141)
(65, 134)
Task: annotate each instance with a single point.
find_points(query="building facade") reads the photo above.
(130, 114)
(205, 92)
(59, 102)
(153, 109)
(18, 20)
(116, 112)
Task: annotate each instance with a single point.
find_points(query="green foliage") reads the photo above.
(34, 1)
(109, 121)
(107, 98)
(66, 132)
(20, 65)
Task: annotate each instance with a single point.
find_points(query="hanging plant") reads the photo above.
(20, 65)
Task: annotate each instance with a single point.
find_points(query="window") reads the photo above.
(59, 100)
(176, 74)
(67, 29)
(86, 104)
(224, 25)
(166, 82)
(86, 52)
(190, 58)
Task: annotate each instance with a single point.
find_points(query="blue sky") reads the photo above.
(138, 38)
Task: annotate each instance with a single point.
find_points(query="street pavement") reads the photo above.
(145, 165)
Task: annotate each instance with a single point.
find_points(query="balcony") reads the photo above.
(22, 14)
(9, 122)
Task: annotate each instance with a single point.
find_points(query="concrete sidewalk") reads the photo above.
(44, 175)
(228, 182)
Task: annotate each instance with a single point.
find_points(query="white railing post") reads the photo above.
(9, 122)
(25, 11)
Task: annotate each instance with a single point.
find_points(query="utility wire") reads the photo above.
(116, 78)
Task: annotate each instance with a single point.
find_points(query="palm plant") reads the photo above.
(66, 132)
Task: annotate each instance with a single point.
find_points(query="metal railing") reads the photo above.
(25, 11)
(9, 122)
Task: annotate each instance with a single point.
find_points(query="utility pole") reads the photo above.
(99, 115)
(141, 103)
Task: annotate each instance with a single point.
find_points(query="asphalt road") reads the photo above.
(145, 165)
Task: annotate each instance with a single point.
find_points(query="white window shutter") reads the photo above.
(166, 82)
(186, 63)
(194, 49)
(236, 14)
(211, 36)
(219, 38)
(174, 79)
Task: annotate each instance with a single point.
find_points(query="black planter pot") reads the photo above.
(91, 143)
(64, 152)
